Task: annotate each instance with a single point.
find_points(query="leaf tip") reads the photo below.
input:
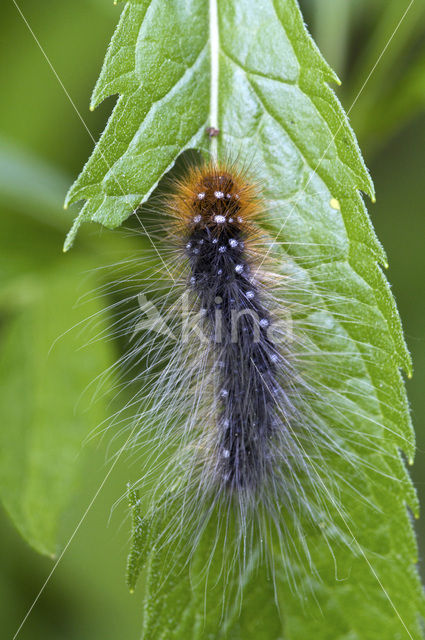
(68, 198)
(69, 240)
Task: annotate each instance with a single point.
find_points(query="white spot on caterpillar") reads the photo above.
(264, 323)
(239, 268)
(192, 280)
(228, 196)
(226, 453)
(197, 219)
(195, 252)
(250, 295)
(233, 242)
(222, 249)
(219, 194)
(189, 245)
(215, 240)
(274, 358)
(219, 219)
(220, 271)
(224, 393)
(201, 195)
(240, 219)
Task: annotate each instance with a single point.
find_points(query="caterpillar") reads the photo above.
(239, 428)
(212, 210)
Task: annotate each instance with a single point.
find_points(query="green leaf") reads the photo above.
(158, 63)
(42, 376)
(276, 111)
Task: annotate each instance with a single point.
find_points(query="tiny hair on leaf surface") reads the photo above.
(257, 68)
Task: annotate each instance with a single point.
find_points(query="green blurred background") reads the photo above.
(43, 145)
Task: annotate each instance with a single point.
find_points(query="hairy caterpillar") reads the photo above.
(241, 425)
(213, 210)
